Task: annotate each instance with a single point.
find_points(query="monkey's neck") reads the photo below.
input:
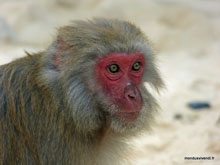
(108, 146)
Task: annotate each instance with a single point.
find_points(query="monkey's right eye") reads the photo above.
(113, 68)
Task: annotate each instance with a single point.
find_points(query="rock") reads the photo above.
(197, 105)
(178, 116)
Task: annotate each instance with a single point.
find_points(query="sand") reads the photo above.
(186, 38)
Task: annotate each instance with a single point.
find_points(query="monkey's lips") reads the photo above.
(128, 116)
(130, 110)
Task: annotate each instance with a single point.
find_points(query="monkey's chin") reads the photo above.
(128, 116)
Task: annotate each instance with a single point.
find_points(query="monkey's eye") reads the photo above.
(113, 68)
(136, 66)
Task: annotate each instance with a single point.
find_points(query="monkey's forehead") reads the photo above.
(99, 37)
(121, 57)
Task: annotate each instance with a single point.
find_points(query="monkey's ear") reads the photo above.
(61, 49)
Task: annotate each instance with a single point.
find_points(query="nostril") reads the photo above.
(131, 96)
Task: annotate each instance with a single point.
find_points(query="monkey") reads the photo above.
(81, 99)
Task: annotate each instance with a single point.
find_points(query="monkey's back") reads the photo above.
(19, 93)
(32, 127)
(14, 82)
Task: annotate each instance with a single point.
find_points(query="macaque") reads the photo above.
(79, 101)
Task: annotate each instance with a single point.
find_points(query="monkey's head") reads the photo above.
(97, 70)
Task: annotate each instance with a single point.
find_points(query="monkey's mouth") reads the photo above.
(128, 116)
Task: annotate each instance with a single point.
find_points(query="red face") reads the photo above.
(119, 75)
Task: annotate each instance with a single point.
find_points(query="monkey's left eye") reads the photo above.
(136, 66)
(113, 68)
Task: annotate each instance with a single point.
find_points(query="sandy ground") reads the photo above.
(186, 37)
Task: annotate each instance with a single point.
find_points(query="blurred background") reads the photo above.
(186, 39)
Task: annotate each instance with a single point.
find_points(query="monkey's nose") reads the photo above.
(130, 92)
(132, 101)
